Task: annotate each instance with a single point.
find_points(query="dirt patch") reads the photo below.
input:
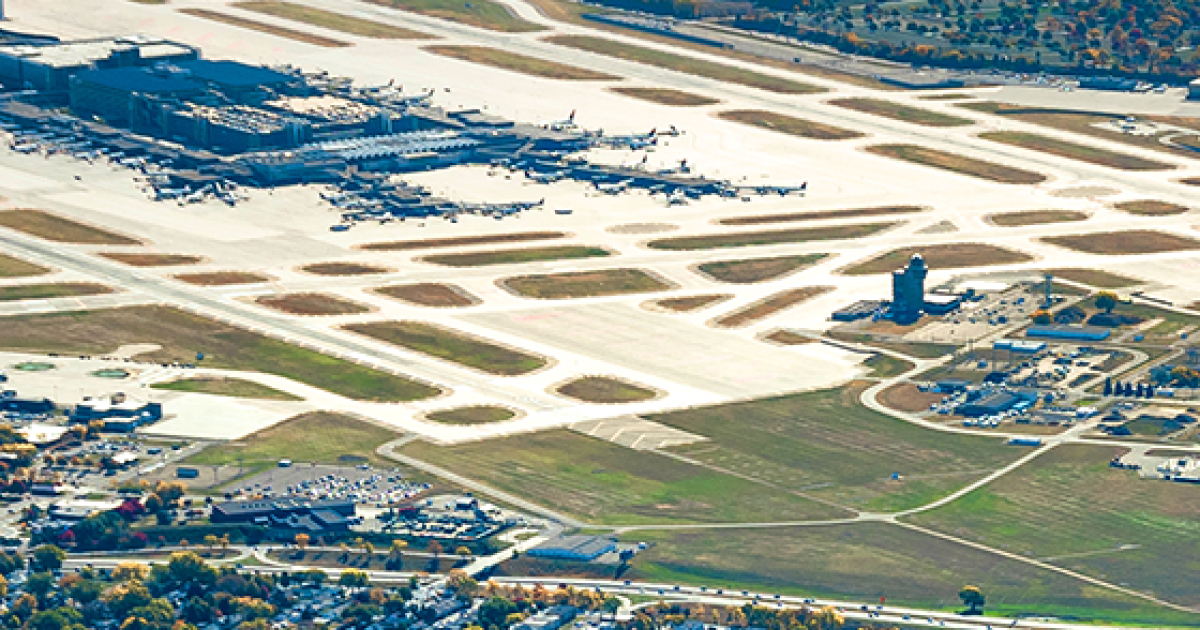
(1074, 151)
(585, 284)
(945, 256)
(505, 60)
(343, 269)
(907, 397)
(751, 270)
(845, 213)
(665, 96)
(605, 390)
(1035, 217)
(1096, 278)
(459, 241)
(1189, 181)
(769, 306)
(270, 29)
(312, 304)
(689, 303)
(898, 111)
(222, 278)
(789, 125)
(152, 260)
(1126, 242)
(960, 164)
(16, 268)
(475, 414)
(1150, 208)
(773, 237)
(432, 294)
(788, 338)
(52, 227)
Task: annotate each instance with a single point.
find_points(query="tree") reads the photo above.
(127, 571)
(123, 598)
(463, 552)
(62, 618)
(187, 567)
(211, 541)
(40, 584)
(354, 577)
(1106, 300)
(435, 548)
(302, 541)
(972, 598)
(495, 612)
(49, 557)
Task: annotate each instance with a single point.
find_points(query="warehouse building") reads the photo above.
(300, 513)
(50, 66)
(1065, 331)
(583, 548)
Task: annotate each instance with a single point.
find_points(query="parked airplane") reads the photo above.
(562, 125)
(782, 191)
(545, 178)
(614, 188)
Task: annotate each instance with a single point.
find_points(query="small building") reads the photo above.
(290, 512)
(42, 435)
(941, 303)
(120, 413)
(1066, 331)
(951, 385)
(858, 310)
(1021, 346)
(584, 548)
(552, 618)
(989, 405)
(187, 472)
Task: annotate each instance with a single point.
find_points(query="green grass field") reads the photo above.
(235, 387)
(516, 256)
(603, 389)
(182, 335)
(884, 366)
(772, 237)
(322, 437)
(1070, 508)
(829, 444)
(480, 13)
(51, 290)
(16, 268)
(871, 560)
(449, 345)
(684, 64)
(609, 484)
(331, 20)
(477, 414)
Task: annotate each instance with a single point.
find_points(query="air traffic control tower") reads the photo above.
(908, 291)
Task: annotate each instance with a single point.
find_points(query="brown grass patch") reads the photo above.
(1071, 150)
(451, 345)
(312, 304)
(59, 229)
(1035, 217)
(769, 306)
(479, 13)
(789, 124)
(580, 284)
(475, 414)
(343, 269)
(960, 164)
(331, 20)
(898, 111)
(51, 290)
(604, 390)
(844, 213)
(788, 338)
(751, 270)
(1125, 242)
(459, 241)
(430, 294)
(1096, 278)
(690, 303)
(270, 29)
(1150, 207)
(771, 237)
(945, 256)
(505, 60)
(665, 96)
(16, 268)
(152, 260)
(906, 397)
(1189, 181)
(516, 256)
(221, 278)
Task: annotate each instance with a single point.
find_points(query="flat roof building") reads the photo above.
(1065, 331)
(585, 548)
(50, 66)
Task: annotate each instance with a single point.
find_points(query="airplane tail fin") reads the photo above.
(572, 116)
(804, 186)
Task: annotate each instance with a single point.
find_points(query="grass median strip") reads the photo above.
(51, 290)
(330, 20)
(270, 29)
(182, 335)
(222, 278)
(343, 269)
(789, 124)
(665, 96)
(684, 64)
(152, 260)
(475, 414)
(751, 270)
(219, 386)
(604, 390)
(1125, 242)
(1150, 208)
(1096, 278)
(945, 256)
(904, 113)
(579, 284)
(320, 436)
(311, 304)
(769, 306)
(516, 256)
(774, 237)
(524, 64)
(960, 164)
(690, 303)
(460, 241)
(820, 215)
(449, 345)
(432, 294)
(486, 14)
(16, 268)
(1074, 151)
(60, 229)
(1035, 217)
